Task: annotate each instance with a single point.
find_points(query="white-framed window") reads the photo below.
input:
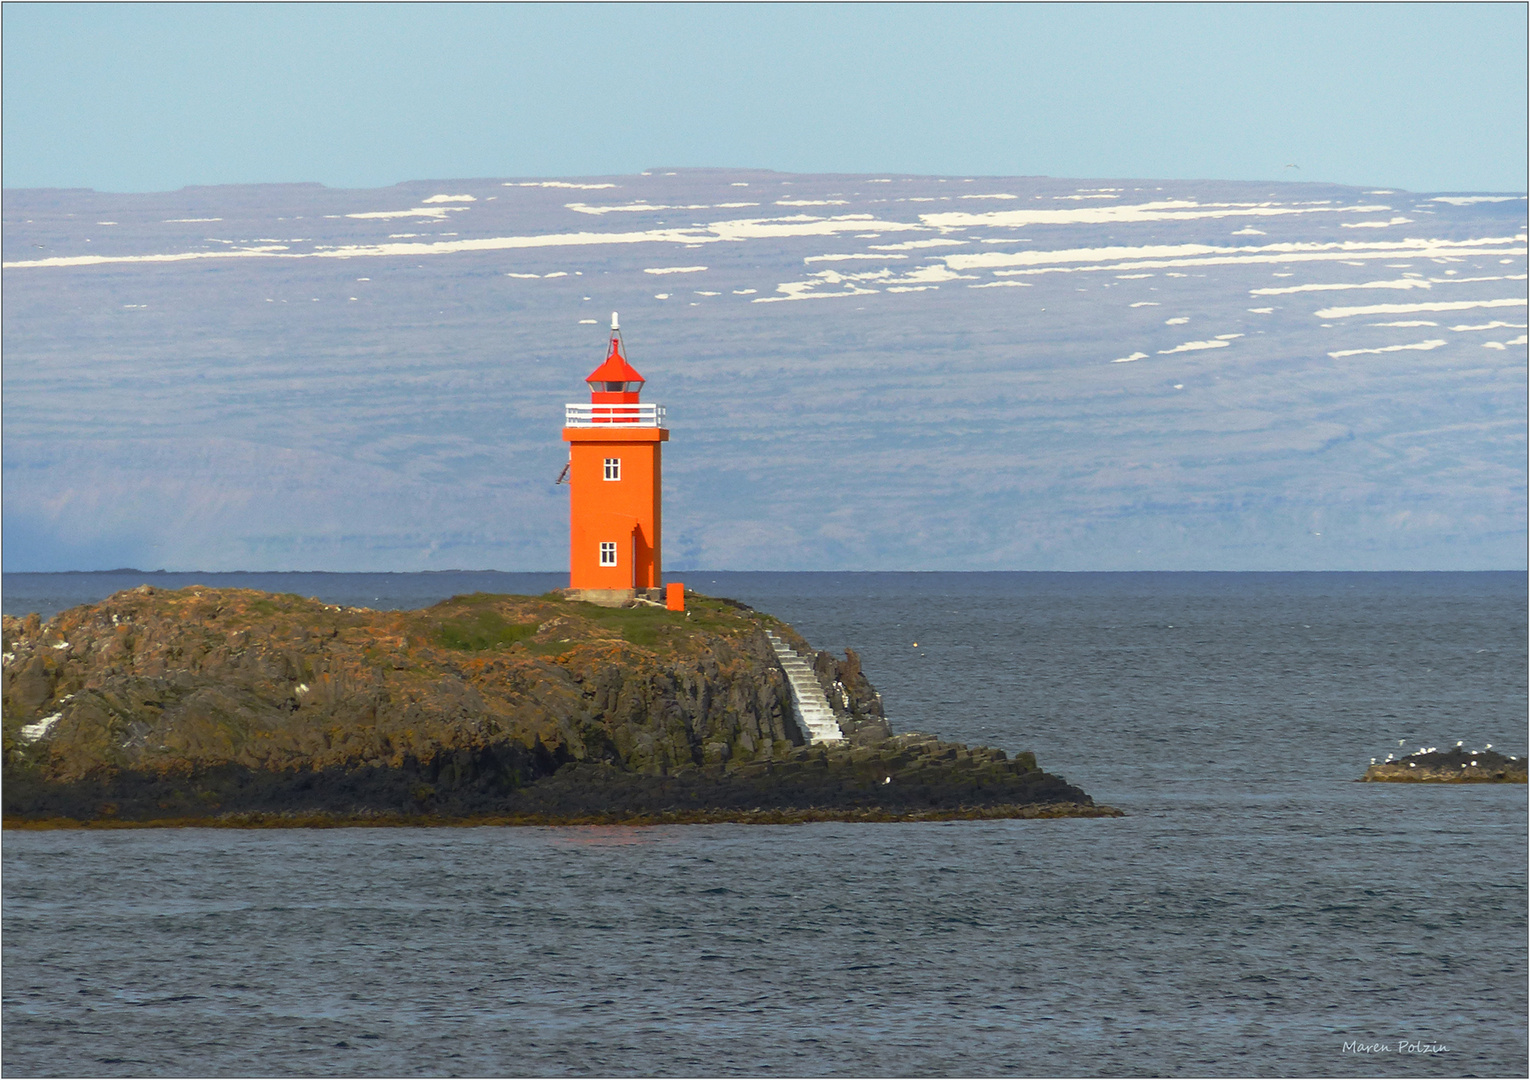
(613, 468)
(608, 553)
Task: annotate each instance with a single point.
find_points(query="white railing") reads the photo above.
(638, 415)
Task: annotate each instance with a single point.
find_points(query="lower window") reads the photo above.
(607, 553)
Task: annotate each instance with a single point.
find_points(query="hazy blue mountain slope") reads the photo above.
(877, 372)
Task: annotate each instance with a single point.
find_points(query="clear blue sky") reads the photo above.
(124, 97)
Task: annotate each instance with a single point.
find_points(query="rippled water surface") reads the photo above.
(1255, 912)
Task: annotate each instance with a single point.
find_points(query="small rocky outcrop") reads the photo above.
(856, 704)
(219, 704)
(1453, 766)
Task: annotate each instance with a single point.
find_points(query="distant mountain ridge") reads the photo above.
(861, 372)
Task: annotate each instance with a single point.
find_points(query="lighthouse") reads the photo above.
(614, 477)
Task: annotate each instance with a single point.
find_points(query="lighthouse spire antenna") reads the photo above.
(616, 331)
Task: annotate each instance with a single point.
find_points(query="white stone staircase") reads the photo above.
(812, 707)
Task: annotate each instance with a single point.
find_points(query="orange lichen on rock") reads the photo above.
(157, 680)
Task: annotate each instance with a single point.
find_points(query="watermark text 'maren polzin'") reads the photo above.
(1401, 1046)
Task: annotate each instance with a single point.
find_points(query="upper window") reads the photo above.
(613, 468)
(608, 553)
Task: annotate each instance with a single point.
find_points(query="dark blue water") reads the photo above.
(1255, 913)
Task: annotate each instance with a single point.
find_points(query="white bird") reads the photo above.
(1458, 742)
(1489, 746)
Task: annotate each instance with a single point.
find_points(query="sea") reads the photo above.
(1257, 912)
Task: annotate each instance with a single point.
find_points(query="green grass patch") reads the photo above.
(638, 634)
(476, 599)
(642, 626)
(469, 622)
(475, 631)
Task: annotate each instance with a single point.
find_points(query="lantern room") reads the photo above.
(615, 392)
(615, 381)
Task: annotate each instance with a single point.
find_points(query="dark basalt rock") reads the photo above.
(901, 777)
(852, 697)
(239, 706)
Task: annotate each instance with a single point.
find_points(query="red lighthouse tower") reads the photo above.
(615, 477)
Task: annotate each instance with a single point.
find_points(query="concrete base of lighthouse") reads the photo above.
(614, 597)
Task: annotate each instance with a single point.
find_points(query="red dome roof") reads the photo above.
(615, 369)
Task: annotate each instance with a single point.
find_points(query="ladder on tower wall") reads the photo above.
(810, 704)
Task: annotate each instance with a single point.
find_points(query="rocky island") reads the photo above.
(243, 708)
(1430, 765)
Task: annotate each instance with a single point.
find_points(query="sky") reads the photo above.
(133, 98)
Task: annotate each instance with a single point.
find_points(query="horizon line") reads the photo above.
(693, 570)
